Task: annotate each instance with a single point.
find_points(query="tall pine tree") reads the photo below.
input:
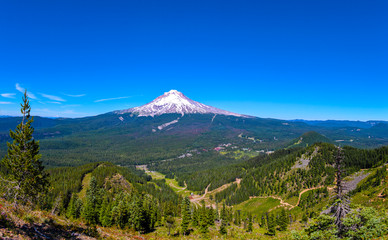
(25, 179)
(186, 215)
(224, 221)
(90, 211)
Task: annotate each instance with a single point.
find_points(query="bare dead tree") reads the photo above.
(341, 205)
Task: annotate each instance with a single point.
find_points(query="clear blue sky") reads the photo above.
(280, 59)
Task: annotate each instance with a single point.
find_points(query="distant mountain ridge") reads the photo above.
(341, 123)
(175, 102)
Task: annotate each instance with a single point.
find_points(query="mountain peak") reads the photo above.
(174, 101)
(173, 91)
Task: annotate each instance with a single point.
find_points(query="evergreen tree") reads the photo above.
(105, 213)
(210, 216)
(203, 220)
(237, 218)
(195, 217)
(250, 224)
(170, 223)
(271, 225)
(25, 179)
(70, 207)
(78, 205)
(283, 220)
(305, 217)
(186, 215)
(90, 211)
(263, 222)
(73, 208)
(137, 214)
(224, 222)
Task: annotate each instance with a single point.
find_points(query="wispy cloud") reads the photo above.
(6, 103)
(52, 97)
(55, 102)
(77, 95)
(45, 112)
(8, 95)
(20, 89)
(110, 99)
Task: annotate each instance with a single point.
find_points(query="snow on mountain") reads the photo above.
(175, 102)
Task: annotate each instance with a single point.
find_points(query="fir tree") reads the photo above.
(195, 217)
(283, 220)
(271, 225)
(90, 211)
(210, 216)
(105, 213)
(250, 224)
(25, 179)
(203, 220)
(186, 215)
(72, 207)
(224, 221)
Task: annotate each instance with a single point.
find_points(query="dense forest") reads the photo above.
(302, 185)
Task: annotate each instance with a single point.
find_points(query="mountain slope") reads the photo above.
(308, 139)
(168, 127)
(175, 102)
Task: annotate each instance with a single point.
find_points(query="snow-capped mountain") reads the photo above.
(175, 102)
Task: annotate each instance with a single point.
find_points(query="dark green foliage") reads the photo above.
(374, 180)
(75, 207)
(268, 175)
(271, 224)
(237, 218)
(105, 214)
(65, 181)
(283, 220)
(308, 139)
(186, 215)
(211, 216)
(360, 223)
(224, 220)
(195, 218)
(91, 208)
(250, 224)
(117, 196)
(313, 197)
(25, 178)
(170, 223)
(203, 219)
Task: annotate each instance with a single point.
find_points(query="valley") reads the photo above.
(179, 169)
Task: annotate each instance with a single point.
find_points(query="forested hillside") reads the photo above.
(128, 139)
(284, 172)
(126, 199)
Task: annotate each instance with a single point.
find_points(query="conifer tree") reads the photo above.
(90, 211)
(224, 222)
(71, 209)
(25, 180)
(262, 223)
(250, 224)
(105, 213)
(203, 221)
(210, 216)
(271, 224)
(186, 215)
(283, 220)
(237, 218)
(195, 216)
